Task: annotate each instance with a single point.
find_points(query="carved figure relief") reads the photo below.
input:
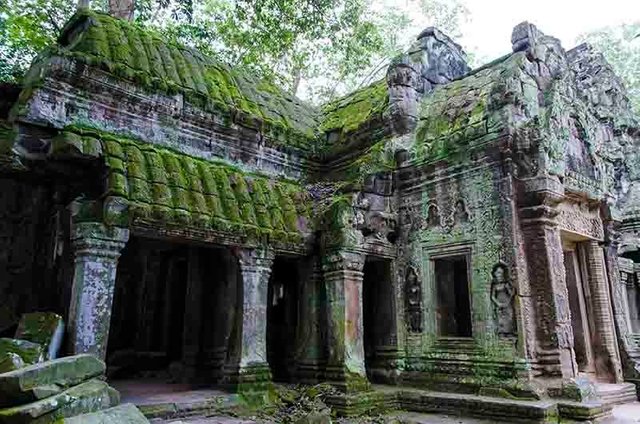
(414, 300)
(460, 214)
(433, 216)
(502, 297)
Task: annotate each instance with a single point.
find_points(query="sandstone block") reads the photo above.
(42, 380)
(122, 414)
(44, 328)
(10, 362)
(31, 353)
(91, 396)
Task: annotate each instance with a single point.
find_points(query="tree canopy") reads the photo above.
(314, 48)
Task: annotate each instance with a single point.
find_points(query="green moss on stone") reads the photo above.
(173, 189)
(354, 110)
(138, 54)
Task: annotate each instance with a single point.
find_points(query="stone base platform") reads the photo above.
(157, 399)
(386, 398)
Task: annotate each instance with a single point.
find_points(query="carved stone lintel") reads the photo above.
(97, 249)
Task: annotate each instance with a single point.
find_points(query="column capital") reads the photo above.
(98, 240)
(261, 257)
(343, 260)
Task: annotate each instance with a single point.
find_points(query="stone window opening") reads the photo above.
(282, 317)
(453, 309)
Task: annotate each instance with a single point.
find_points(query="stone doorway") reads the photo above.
(171, 320)
(282, 317)
(379, 321)
(451, 275)
(579, 304)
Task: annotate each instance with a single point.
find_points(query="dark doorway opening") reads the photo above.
(452, 291)
(169, 319)
(379, 321)
(576, 274)
(282, 317)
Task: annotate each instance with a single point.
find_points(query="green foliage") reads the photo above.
(621, 47)
(319, 48)
(26, 28)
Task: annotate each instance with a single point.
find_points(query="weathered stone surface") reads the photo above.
(122, 414)
(31, 353)
(10, 361)
(44, 379)
(93, 395)
(44, 328)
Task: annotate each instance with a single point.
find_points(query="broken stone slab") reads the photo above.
(47, 378)
(90, 396)
(44, 328)
(31, 353)
(10, 361)
(122, 414)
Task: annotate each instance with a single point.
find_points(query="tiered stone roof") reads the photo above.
(166, 188)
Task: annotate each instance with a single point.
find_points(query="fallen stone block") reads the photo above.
(9, 361)
(91, 396)
(31, 353)
(122, 414)
(45, 379)
(44, 328)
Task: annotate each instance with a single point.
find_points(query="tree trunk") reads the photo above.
(121, 9)
(83, 4)
(297, 76)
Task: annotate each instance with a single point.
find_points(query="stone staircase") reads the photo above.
(617, 394)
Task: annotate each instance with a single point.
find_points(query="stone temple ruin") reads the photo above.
(443, 230)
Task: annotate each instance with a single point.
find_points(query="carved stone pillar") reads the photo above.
(310, 355)
(605, 332)
(97, 249)
(554, 334)
(343, 281)
(620, 271)
(193, 318)
(249, 365)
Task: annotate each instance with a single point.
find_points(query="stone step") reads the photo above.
(507, 410)
(617, 394)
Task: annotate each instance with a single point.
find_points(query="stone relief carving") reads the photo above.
(372, 222)
(433, 216)
(414, 300)
(460, 213)
(578, 218)
(502, 297)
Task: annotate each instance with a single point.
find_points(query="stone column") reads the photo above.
(554, 335)
(97, 249)
(606, 349)
(249, 366)
(193, 317)
(309, 350)
(343, 281)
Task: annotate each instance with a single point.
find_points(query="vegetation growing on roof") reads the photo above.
(172, 189)
(462, 113)
(138, 54)
(354, 110)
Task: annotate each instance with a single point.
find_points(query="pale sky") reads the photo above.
(489, 31)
